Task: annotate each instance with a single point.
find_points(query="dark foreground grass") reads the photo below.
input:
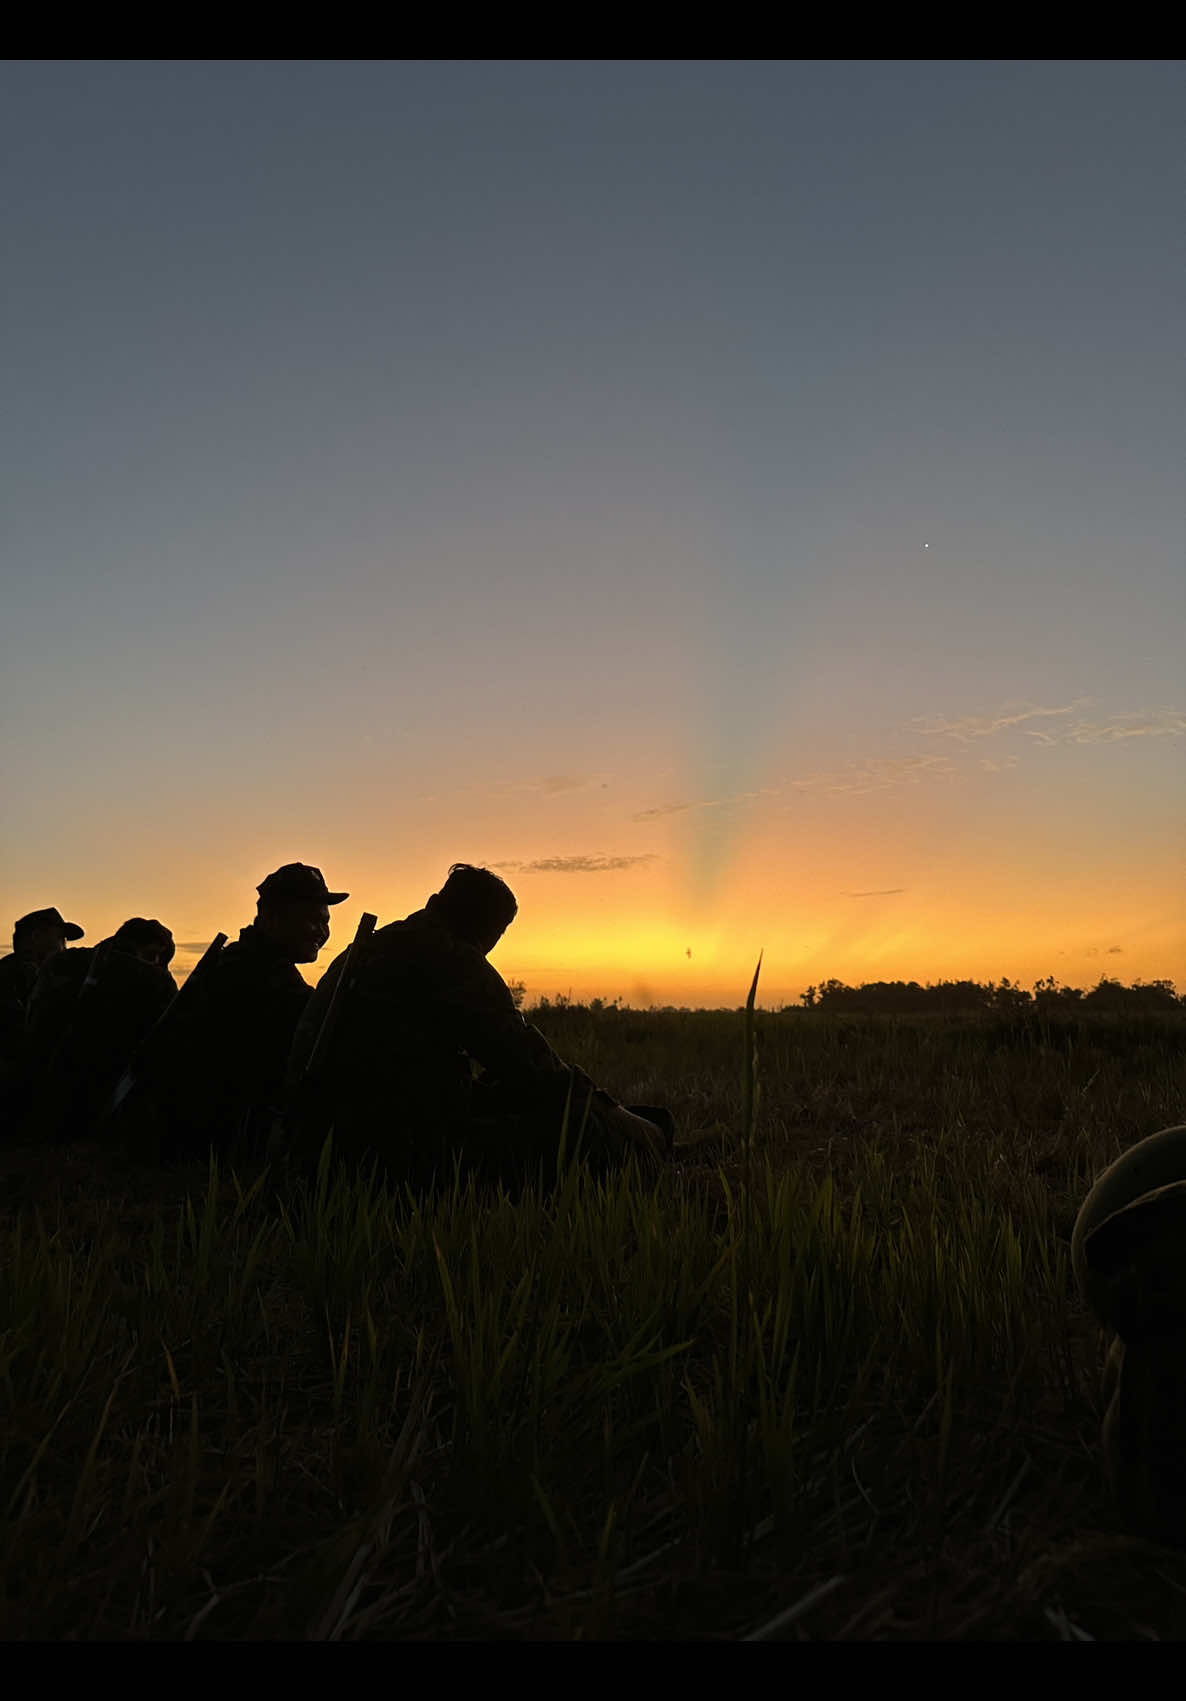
(855, 1400)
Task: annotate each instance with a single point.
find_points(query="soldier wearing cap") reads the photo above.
(219, 1077)
(89, 1010)
(396, 1076)
(35, 937)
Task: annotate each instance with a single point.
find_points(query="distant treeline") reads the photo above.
(954, 997)
(945, 998)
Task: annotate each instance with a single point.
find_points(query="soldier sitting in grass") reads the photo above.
(90, 1008)
(423, 1011)
(215, 1075)
(36, 937)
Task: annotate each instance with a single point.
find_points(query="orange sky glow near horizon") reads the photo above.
(884, 868)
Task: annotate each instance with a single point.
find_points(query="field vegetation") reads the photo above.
(826, 1378)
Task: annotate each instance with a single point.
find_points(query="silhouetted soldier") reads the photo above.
(89, 1010)
(217, 1076)
(35, 937)
(396, 1076)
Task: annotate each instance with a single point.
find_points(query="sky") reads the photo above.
(740, 503)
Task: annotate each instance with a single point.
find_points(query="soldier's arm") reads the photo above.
(493, 1032)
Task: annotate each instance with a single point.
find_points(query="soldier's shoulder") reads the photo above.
(242, 970)
(391, 944)
(394, 933)
(246, 958)
(226, 976)
(66, 966)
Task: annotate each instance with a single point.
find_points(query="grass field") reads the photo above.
(835, 1384)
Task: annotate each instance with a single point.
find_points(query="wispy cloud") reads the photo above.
(550, 785)
(1143, 723)
(1115, 951)
(1140, 723)
(702, 803)
(874, 773)
(877, 773)
(667, 809)
(195, 945)
(881, 773)
(883, 892)
(553, 785)
(983, 726)
(576, 864)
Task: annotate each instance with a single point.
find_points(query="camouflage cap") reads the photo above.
(297, 882)
(37, 919)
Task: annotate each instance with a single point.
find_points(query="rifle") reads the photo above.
(304, 1077)
(366, 926)
(135, 1070)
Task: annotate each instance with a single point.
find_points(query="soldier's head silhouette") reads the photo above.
(151, 941)
(293, 911)
(475, 905)
(41, 934)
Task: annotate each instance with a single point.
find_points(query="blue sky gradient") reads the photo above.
(385, 443)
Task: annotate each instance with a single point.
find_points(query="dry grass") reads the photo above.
(855, 1399)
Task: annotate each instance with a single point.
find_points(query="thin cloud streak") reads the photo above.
(882, 773)
(703, 803)
(554, 785)
(1150, 723)
(577, 864)
(878, 773)
(983, 726)
(1140, 723)
(551, 785)
(667, 809)
(875, 773)
(883, 892)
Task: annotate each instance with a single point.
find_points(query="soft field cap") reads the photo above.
(298, 882)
